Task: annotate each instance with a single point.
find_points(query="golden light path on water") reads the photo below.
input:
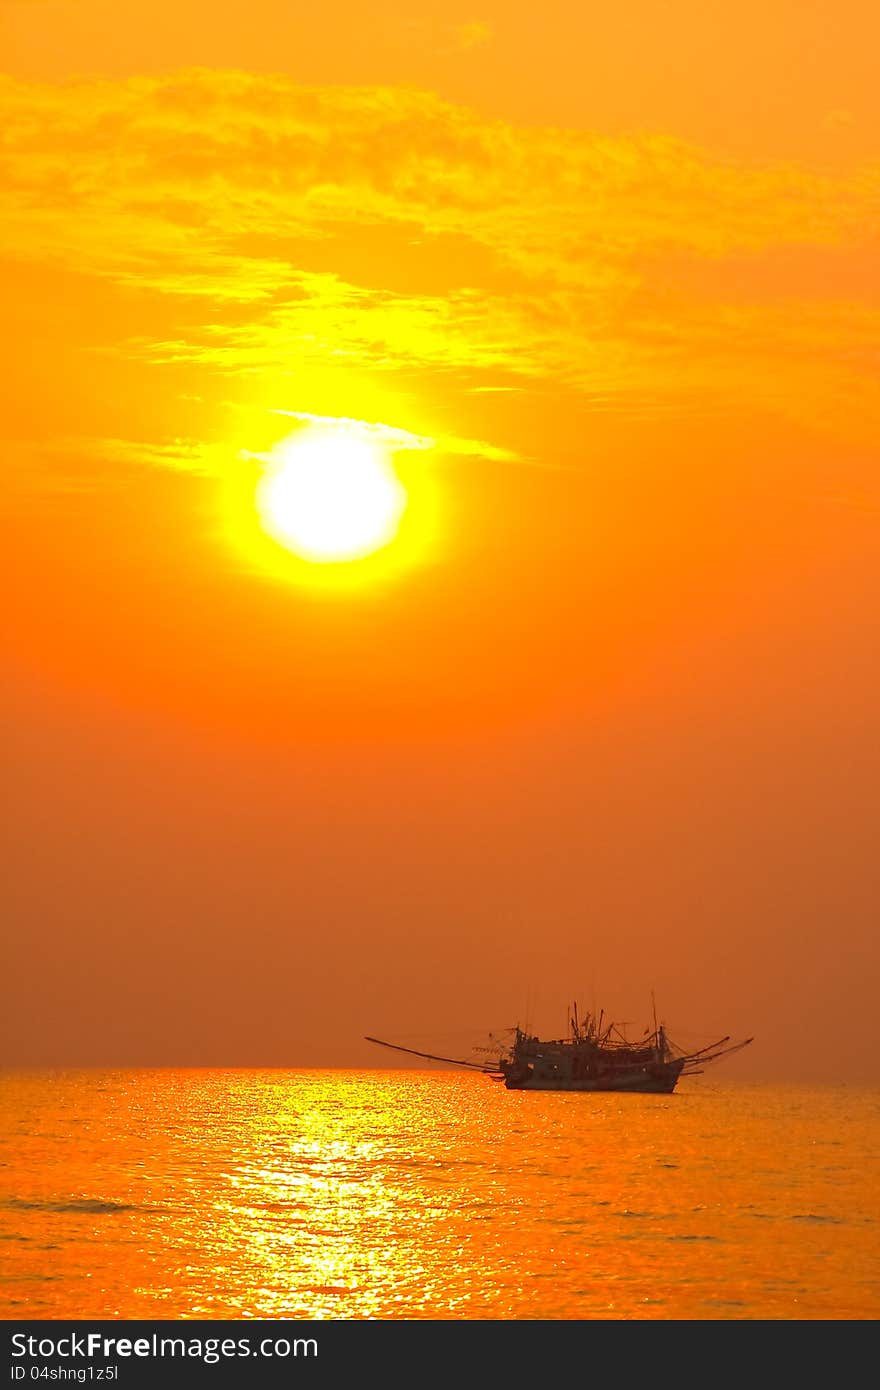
(324, 1194)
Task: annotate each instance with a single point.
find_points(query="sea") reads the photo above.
(234, 1194)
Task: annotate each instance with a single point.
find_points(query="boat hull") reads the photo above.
(659, 1079)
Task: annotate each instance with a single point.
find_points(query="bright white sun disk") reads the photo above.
(330, 496)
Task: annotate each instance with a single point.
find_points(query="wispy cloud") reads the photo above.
(78, 464)
(386, 230)
(393, 438)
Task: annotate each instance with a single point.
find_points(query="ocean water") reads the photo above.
(417, 1194)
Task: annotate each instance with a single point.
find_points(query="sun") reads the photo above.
(330, 496)
(340, 506)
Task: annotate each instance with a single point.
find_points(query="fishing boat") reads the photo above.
(595, 1056)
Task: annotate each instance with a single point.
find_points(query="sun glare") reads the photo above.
(330, 496)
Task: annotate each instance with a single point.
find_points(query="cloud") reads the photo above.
(476, 33)
(216, 460)
(179, 455)
(70, 465)
(388, 435)
(323, 318)
(230, 154)
(394, 438)
(388, 231)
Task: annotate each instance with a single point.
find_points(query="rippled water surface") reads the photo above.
(341, 1194)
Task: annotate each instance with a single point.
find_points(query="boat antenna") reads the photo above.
(654, 1010)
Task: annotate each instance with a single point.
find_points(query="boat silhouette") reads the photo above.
(596, 1056)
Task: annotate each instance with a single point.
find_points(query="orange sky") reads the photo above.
(616, 727)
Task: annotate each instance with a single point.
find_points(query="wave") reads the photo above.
(89, 1205)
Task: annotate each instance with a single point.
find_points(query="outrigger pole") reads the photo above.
(432, 1056)
(708, 1054)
